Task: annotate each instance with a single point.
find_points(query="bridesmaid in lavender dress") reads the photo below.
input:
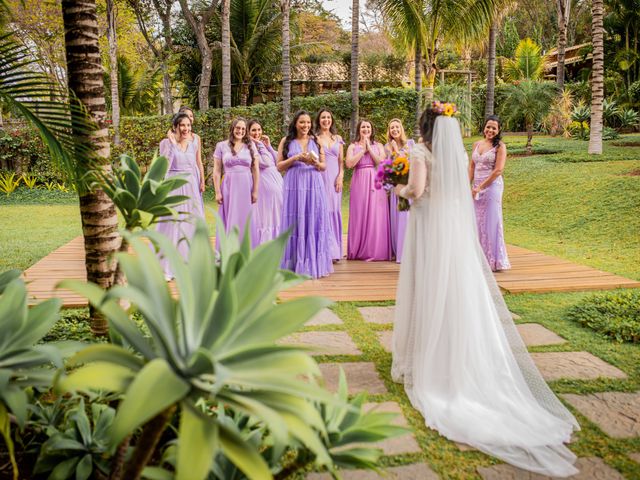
(485, 172)
(368, 237)
(304, 209)
(332, 143)
(398, 144)
(238, 191)
(181, 151)
(268, 208)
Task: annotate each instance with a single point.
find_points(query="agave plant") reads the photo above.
(610, 113)
(22, 365)
(628, 118)
(81, 448)
(214, 343)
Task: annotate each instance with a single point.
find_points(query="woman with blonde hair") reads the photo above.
(397, 145)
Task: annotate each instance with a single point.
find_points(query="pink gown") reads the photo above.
(334, 199)
(369, 236)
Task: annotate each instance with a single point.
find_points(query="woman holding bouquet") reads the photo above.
(368, 237)
(304, 209)
(397, 146)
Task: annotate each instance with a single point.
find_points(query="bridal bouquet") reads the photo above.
(391, 172)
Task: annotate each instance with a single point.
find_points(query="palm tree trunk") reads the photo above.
(563, 7)
(113, 67)
(491, 71)
(226, 56)
(285, 5)
(85, 80)
(198, 26)
(417, 62)
(167, 97)
(355, 80)
(597, 78)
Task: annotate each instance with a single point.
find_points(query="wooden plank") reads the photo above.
(354, 280)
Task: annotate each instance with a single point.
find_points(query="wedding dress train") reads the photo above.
(455, 346)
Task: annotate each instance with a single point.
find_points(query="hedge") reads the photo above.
(141, 135)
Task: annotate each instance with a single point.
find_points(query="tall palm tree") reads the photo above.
(597, 77)
(85, 81)
(355, 79)
(564, 9)
(491, 70)
(285, 6)
(198, 20)
(226, 56)
(113, 67)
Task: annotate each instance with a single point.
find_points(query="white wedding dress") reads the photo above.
(455, 346)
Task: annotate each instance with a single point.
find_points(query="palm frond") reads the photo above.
(43, 104)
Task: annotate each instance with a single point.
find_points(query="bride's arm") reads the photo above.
(417, 177)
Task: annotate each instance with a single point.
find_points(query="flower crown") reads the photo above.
(444, 108)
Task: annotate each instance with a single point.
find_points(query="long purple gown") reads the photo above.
(181, 231)
(308, 250)
(237, 184)
(398, 220)
(334, 199)
(369, 235)
(268, 208)
(489, 211)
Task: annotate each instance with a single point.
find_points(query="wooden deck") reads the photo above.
(354, 280)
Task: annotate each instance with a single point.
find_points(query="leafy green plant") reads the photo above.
(614, 314)
(22, 364)
(8, 182)
(609, 133)
(528, 63)
(51, 186)
(215, 342)
(628, 118)
(29, 180)
(581, 113)
(610, 113)
(81, 447)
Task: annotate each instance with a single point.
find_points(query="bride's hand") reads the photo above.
(397, 189)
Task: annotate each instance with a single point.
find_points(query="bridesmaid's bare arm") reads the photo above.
(340, 177)
(376, 154)
(284, 164)
(322, 162)
(217, 176)
(199, 163)
(255, 174)
(353, 159)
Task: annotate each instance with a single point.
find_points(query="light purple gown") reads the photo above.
(304, 210)
(268, 208)
(398, 220)
(489, 211)
(334, 199)
(181, 231)
(369, 235)
(236, 187)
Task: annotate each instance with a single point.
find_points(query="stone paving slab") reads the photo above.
(324, 317)
(324, 343)
(591, 468)
(377, 314)
(534, 334)
(574, 365)
(361, 377)
(416, 471)
(396, 445)
(616, 413)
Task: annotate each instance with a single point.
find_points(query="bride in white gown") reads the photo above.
(455, 346)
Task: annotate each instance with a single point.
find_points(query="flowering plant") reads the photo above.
(444, 108)
(391, 172)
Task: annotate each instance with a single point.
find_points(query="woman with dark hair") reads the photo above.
(304, 209)
(268, 208)
(238, 191)
(171, 135)
(369, 236)
(331, 142)
(183, 160)
(455, 347)
(485, 173)
(397, 144)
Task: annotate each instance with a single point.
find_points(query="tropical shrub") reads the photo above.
(8, 182)
(528, 62)
(628, 119)
(614, 314)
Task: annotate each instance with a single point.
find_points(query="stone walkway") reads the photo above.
(617, 414)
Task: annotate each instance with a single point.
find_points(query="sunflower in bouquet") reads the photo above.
(391, 172)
